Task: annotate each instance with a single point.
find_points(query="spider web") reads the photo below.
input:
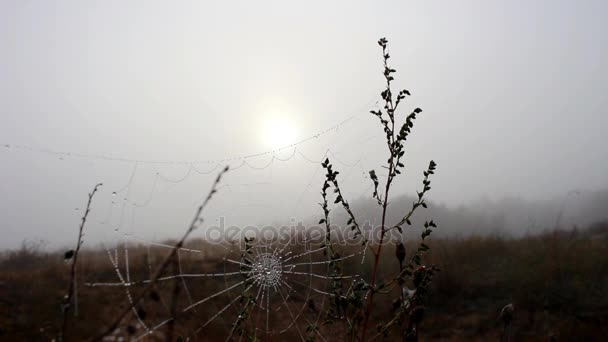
(268, 289)
(234, 289)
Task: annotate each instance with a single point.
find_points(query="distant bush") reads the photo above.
(30, 254)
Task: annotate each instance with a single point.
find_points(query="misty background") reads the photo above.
(149, 97)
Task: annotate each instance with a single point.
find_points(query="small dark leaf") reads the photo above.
(68, 255)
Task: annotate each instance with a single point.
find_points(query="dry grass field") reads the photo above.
(556, 280)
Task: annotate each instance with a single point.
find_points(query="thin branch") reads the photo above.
(74, 255)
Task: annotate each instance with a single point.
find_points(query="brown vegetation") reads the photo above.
(557, 282)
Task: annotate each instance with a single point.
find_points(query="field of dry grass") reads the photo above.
(557, 282)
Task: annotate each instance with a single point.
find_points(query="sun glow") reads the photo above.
(278, 131)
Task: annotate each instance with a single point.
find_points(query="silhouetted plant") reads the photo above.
(71, 297)
(356, 304)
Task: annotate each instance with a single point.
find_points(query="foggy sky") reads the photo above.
(513, 93)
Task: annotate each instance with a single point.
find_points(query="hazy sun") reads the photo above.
(278, 131)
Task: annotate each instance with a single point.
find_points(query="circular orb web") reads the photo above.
(267, 270)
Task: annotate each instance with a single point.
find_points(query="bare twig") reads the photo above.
(74, 256)
(168, 260)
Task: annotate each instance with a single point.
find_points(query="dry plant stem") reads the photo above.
(370, 302)
(364, 305)
(197, 219)
(390, 141)
(72, 287)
